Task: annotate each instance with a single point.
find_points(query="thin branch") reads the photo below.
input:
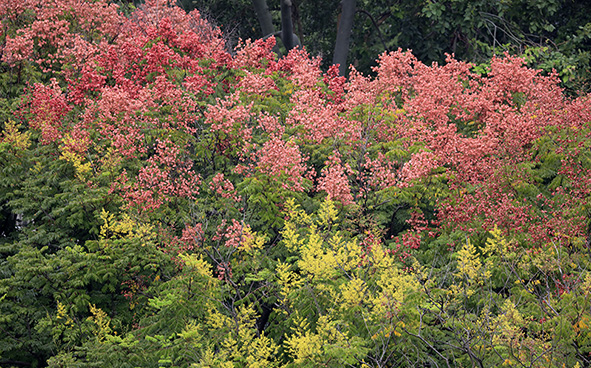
(375, 24)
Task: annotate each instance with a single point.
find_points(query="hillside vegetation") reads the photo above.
(167, 202)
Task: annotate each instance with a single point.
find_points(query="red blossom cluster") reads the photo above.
(49, 39)
(278, 158)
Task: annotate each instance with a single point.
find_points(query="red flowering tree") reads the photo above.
(144, 157)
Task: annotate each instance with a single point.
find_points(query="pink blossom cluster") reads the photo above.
(224, 187)
(163, 178)
(278, 158)
(48, 108)
(192, 237)
(231, 235)
(334, 180)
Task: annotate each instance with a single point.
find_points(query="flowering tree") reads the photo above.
(182, 204)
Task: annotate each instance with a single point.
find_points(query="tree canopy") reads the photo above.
(170, 201)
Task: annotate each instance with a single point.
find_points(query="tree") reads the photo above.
(343, 35)
(264, 16)
(186, 205)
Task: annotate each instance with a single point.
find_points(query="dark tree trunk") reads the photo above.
(264, 16)
(289, 39)
(341, 49)
(286, 25)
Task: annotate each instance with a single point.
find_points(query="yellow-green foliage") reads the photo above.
(101, 322)
(339, 296)
(67, 154)
(336, 302)
(18, 141)
(505, 307)
(223, 336)
(126, 227)
(251, 240)
(470, 272)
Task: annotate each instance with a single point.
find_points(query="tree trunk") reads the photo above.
(289, 39)
(286, 25)
(341, 49)
(264, 15)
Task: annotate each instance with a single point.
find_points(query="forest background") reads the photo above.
(179, 190)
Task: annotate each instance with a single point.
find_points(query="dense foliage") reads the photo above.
(167, 203)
